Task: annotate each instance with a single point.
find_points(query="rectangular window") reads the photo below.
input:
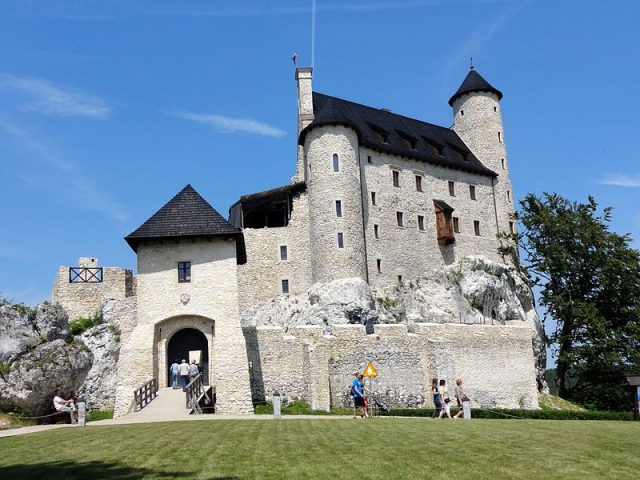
(503, 163)
(378, 263)
(340, 240)
(476, 227)
(508, 195)
(452, 189)
(419, 183)
(420, 222)
(456, 225)
(376, 231)
(336, 163)
(284, 253)
(510, 227)
(184, 272)
(396, 178)
(373, 198)
(285, 285)
(338, 208)
(369, 159)
(472, 192)
(400, 219)
(399, 278)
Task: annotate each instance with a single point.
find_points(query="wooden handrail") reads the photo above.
(195, 391)
(146, 393)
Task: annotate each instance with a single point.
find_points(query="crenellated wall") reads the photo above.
(495, 362)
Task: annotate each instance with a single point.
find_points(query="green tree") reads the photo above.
(589, 280)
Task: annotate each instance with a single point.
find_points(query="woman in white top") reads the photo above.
(442, 389)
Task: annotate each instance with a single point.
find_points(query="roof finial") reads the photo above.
(471, 64)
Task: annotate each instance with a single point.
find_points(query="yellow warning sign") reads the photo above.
(370, 371)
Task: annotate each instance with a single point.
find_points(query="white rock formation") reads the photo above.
(99, 387)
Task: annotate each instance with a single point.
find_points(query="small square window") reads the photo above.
(396, 178)
(285, 285)
(373, 198)
(184, 272)
(472, 192)
(476, 227)
(378, 264)
(452, 189)
(400, 219)
(336, 163)
(338, 208)
(376, 231)
(340, 240)
(420, 222)
(419, 183)
(456, 224)
(284, 253)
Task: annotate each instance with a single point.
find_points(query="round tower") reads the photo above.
(335, 203)
(477, 119)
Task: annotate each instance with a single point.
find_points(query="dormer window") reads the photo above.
(381, 135)
(434, 147)
(410, 142)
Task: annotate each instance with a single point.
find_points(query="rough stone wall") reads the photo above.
(325, 186)
(212, 294)
(260, 278)
(495, 363)
(408, 251)
(86, 299)
(482, 130)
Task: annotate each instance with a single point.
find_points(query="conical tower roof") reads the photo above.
(187, 215)
(474, 83)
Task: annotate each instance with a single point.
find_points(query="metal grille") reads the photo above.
(85, 274)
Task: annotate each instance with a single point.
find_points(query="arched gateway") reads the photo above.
(187, 298)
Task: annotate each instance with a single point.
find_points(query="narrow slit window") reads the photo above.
(396, 178)
(376, 231)
(421, 222)
(472, 192)
(495, 109)
(456, 224)
(400, 219)
(379, 265)
(336, 163)
(500, 137)
(285, 285)
(461, 113)
(373, 198)
(340, 240)
(452, 189)
(503, 163)
(476, 227)
(338, 208)
(509, 195)
(510, 227)
(399, 278)
(284, 253)
(184, 272)
(369, 159)
(419, 183)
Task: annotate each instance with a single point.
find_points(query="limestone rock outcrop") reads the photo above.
(99, 387)
(473, 290)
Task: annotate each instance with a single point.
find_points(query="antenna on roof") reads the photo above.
(471, 64)
(313, 34)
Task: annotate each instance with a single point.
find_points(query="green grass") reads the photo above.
(100, 415)
(325, 448)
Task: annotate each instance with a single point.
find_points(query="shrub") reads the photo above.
(5, 368)
(297, 407)
(506, 413)
(83, 324)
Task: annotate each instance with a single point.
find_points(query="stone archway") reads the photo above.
(197, 331)
(184, 341)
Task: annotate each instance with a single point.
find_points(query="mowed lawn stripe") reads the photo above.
(330, 449)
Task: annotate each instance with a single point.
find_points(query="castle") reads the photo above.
(376, 196)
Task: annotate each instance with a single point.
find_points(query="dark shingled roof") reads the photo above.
(391, 133)
(187, 215)
(474, 83)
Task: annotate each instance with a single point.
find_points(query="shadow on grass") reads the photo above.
(85, 470)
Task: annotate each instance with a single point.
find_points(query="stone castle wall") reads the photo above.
(87, 299)
(495, 362)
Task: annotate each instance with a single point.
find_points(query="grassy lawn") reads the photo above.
(386, 448)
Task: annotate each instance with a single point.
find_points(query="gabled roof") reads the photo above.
(474, 82)
(187, 215)
(391, 133)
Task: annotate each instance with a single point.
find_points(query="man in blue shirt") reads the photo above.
(357, 390)
(174, 374)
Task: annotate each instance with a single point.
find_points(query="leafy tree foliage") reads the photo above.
(589, 280)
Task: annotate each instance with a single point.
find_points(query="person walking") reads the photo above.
(442, 390)
(173, 369)
(461, 397)
(184, 373)
(437, 399)
(358, 395)
(193, 370)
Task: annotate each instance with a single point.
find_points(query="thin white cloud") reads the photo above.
(224, 124)
(46, 98)
(619, 180)
(44, 167)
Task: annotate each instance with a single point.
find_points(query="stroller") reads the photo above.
(379, 407)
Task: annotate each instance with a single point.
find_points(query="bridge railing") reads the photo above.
(146, 393)
(195, 391)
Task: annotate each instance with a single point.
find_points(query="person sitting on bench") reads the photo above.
(62, 405)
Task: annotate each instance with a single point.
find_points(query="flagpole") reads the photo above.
(313, 33)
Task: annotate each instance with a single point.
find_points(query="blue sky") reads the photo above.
(108, 108)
